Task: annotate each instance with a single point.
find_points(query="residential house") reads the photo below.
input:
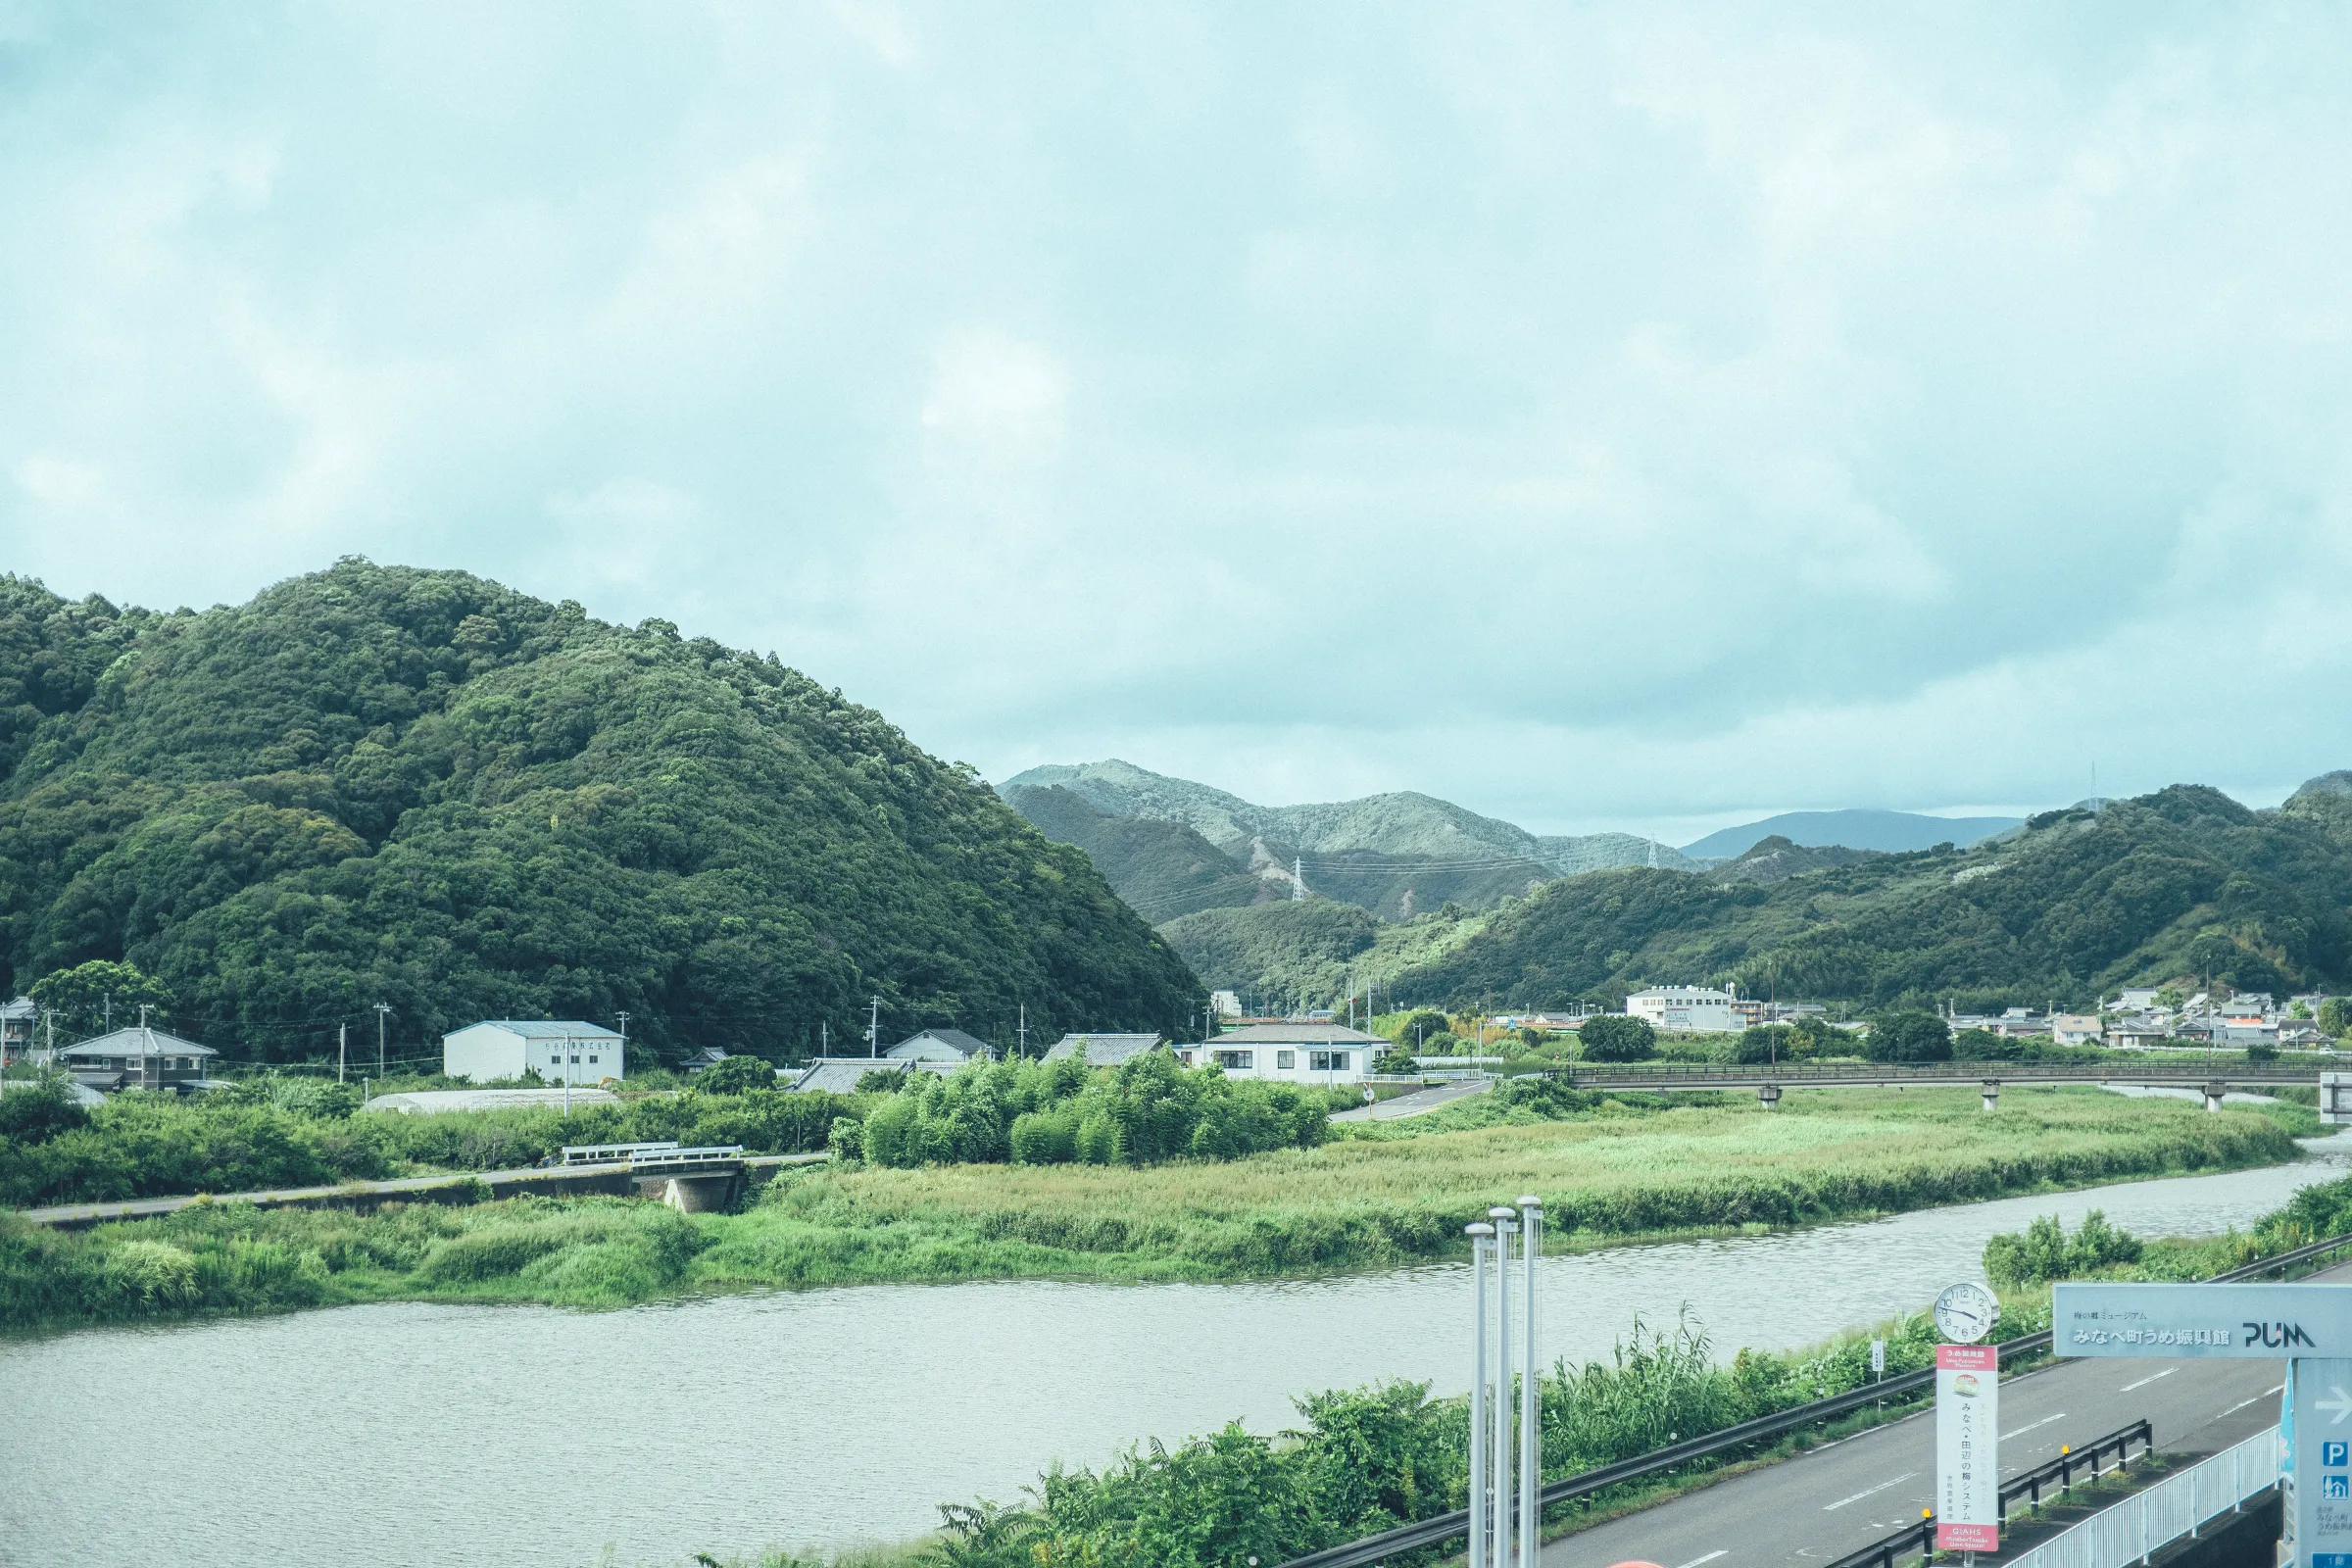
(2137, 999)
(16, 1021)
(1103, 1051)
(704, 1060)
(136, 1057)
(2137, 1032)
(1302, 1052)
(1681, 1009)
(939, 1050)
(2076, 1028)
(560, 1051)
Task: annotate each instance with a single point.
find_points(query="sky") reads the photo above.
(1643, 416)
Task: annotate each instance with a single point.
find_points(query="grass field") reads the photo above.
(1606, 1176)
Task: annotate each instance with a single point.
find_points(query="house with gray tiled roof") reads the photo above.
(1103, 1049)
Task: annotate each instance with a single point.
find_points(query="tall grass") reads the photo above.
(1607, 1175)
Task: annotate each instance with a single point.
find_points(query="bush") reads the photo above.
(2044, 1253)
(1045, 1138)
(1422, 1028)
(1395, 1063)
(34, 1112)
(1617, 1037)
(1908, 1036)
(1445, 1044)
(736, 1075)
(1767, 1041)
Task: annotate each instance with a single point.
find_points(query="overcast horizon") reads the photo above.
(1647, 420)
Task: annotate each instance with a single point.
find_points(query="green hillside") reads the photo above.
(2183, 884)
(1293, 954)
(1161, 870)
(379, 783)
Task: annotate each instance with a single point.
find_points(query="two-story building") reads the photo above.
(136, 1057)
(1685, 1009)
(559, 1050)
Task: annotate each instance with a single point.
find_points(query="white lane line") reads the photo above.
(1872, 1493)
(2242, 1404)
(2150, 1377)
(2031, 1425)
(1709, 1557)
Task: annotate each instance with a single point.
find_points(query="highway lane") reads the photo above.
(1845, 1495)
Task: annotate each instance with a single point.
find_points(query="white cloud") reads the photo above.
(1594, 418)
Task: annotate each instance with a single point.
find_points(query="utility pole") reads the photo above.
(624, 1043)
(1024, 1033)
(567, 1075)
(342, 1049)
(873, 1028)
(147, 1049)
(108, 1027)
(383, 1011)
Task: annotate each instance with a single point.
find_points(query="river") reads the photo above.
(529, 1436)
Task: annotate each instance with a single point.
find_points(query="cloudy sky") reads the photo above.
(1603, 416)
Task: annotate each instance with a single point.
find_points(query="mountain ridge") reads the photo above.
(1852, 828)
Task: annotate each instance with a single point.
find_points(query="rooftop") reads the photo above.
(137, 1042)
(1296, 1033)
(1101, 1051)
(547, 1028)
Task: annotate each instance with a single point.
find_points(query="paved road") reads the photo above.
(1845, 1495)
(1419, 1102)
(502, 1184)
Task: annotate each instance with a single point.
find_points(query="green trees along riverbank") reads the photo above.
(1607, 1173)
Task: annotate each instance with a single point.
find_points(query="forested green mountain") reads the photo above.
(2183, 884)
(1163, 869)
(419, 787)
(1396, 854)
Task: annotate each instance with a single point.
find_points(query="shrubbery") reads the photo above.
(1617, 1037)
(2045, 1252)
(301, 1132)
(1149, 1109)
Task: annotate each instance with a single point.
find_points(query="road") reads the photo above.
(1845, 1495)
(544, 1179)
(1419, 1102)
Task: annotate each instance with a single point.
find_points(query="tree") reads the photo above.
(1909, 1036)
(87, 995)
(1617, 1037)
(1767, 1041)
(2335, 1018)
(1422, 1027)
(735, 1075)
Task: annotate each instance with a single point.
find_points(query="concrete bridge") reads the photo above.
(2214, 1076)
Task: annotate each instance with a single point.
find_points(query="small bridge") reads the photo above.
(2213, 1077)
(693, 1181)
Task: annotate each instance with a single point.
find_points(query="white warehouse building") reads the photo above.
(559, 1050)
(1685, 1009)
(1289, 1053)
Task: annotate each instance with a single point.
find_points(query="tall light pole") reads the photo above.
(873, 1029)
(1531, 1404)
(1481, 1243)
(1506, 1225)
(383, 1011)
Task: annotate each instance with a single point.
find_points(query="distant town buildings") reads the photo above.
(940, 1051)
(1225, 1004)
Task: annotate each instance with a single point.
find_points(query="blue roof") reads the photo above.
(547, 1028)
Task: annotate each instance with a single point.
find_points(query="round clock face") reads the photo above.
(1965, 1313)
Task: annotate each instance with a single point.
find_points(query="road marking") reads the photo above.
(1709, 1557)
(2150, 1377)
(2242, 1404)
(1872, 1493)
(2031, 1425)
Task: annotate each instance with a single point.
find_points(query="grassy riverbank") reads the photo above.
(1608, 1175)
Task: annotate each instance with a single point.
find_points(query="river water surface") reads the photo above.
(527, 1436)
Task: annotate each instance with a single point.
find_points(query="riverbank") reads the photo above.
(1608, 1177)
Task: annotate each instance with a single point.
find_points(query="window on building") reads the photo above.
(1328, 1060)
(591, 1061)
(1286, 1060)
(1243, 1059)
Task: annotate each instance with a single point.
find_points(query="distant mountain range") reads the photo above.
(1395, 854)
(1895, 832)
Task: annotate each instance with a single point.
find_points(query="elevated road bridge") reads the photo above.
(2214, 1076)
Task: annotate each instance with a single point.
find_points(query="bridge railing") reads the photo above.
(609, 1153)
(673, 1155)
(1442, 1527)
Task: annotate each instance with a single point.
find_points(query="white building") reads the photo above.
(2137, 999)
(1225, 1004)
(1685, 1009)
(1289, 1053)
(2076, 1028)
(558, 1049)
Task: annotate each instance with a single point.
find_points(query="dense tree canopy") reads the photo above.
(418, 786)
(2184, 884)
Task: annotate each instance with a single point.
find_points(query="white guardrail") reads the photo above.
(2175, 1506)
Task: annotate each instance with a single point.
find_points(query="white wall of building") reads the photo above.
(1302, 1063)
(483, 1052)
(1685, 1009)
